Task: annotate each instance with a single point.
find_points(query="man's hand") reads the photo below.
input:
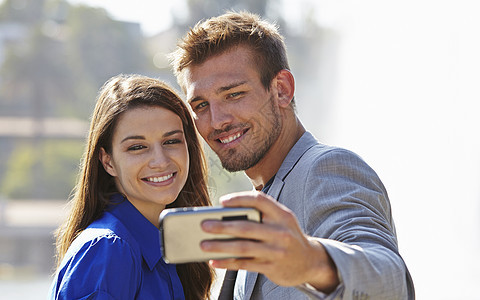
(277, 247)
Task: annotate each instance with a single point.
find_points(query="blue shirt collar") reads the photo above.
(144, 232)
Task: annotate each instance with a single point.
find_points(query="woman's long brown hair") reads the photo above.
(95, 186)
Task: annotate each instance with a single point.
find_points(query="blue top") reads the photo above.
(117, 257)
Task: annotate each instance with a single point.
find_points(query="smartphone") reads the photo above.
(181, 232)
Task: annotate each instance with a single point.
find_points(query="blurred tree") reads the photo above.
(55, 59)
(203, 9)
(100, 48)
(56, 160)
(35, 77)
(22, 11)
(62, 55)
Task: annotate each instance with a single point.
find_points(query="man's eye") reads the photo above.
(201, 105)
(235, 95)
(136, 147)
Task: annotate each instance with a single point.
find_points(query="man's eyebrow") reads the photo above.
(198, 98)
(229, 87)
(141, 137)
(219, 90)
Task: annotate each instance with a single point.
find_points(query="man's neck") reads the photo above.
(268, 166)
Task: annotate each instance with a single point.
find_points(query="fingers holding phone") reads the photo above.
(181, 233)
(277, 247)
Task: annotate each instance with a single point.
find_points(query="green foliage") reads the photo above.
(42, 171)
(55, 63)
(115, 46)
(18, 174)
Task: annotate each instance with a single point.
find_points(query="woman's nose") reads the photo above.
(159, 158)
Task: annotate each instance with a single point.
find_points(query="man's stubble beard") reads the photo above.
(234, 161)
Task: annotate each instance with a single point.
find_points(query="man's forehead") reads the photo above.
(198, 82)
(226, 61)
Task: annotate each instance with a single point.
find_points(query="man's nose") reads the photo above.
(219, 116)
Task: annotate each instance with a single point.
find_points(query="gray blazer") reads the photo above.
(340, 200)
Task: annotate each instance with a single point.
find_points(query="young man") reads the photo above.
(327, 230)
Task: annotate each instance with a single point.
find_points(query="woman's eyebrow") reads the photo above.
(173, 132)
(133, 137)
(141, 137)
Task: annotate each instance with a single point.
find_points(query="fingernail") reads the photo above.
(207, 225)
(205, 245)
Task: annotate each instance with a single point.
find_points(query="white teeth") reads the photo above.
(232, 138)
(160, 179)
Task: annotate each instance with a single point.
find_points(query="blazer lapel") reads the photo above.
(306, 142)
(302, 145)
(276, 188)
(274, 191)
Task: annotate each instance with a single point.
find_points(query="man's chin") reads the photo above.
(238, 165)
(233, 161)
(228, 165)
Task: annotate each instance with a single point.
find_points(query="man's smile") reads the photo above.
(227, 139)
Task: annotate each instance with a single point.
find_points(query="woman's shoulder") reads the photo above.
(98, 250)
(105, 236)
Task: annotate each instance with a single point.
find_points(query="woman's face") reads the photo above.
(149, 158)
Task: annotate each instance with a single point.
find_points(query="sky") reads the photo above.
(404, 96)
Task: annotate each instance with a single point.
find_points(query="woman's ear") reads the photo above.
(106, 160)
(285, 84)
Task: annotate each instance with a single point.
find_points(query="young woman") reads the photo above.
(142, 156)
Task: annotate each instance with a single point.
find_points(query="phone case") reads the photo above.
(181, 234)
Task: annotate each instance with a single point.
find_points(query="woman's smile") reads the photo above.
(164, 180)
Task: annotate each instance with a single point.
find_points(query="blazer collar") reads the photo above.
(306, 141)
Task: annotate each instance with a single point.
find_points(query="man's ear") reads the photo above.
(285, 84)
(106, 160)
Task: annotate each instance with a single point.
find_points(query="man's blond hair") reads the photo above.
(217, 35)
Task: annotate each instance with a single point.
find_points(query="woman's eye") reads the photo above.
(136, 147)
(173, 141)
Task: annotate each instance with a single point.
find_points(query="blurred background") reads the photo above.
(395, 81)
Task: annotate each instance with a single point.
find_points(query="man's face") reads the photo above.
(234, 113)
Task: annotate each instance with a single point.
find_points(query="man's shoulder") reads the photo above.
(311, 148)
(325, 153)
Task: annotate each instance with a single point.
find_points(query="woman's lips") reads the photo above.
(159, 179)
